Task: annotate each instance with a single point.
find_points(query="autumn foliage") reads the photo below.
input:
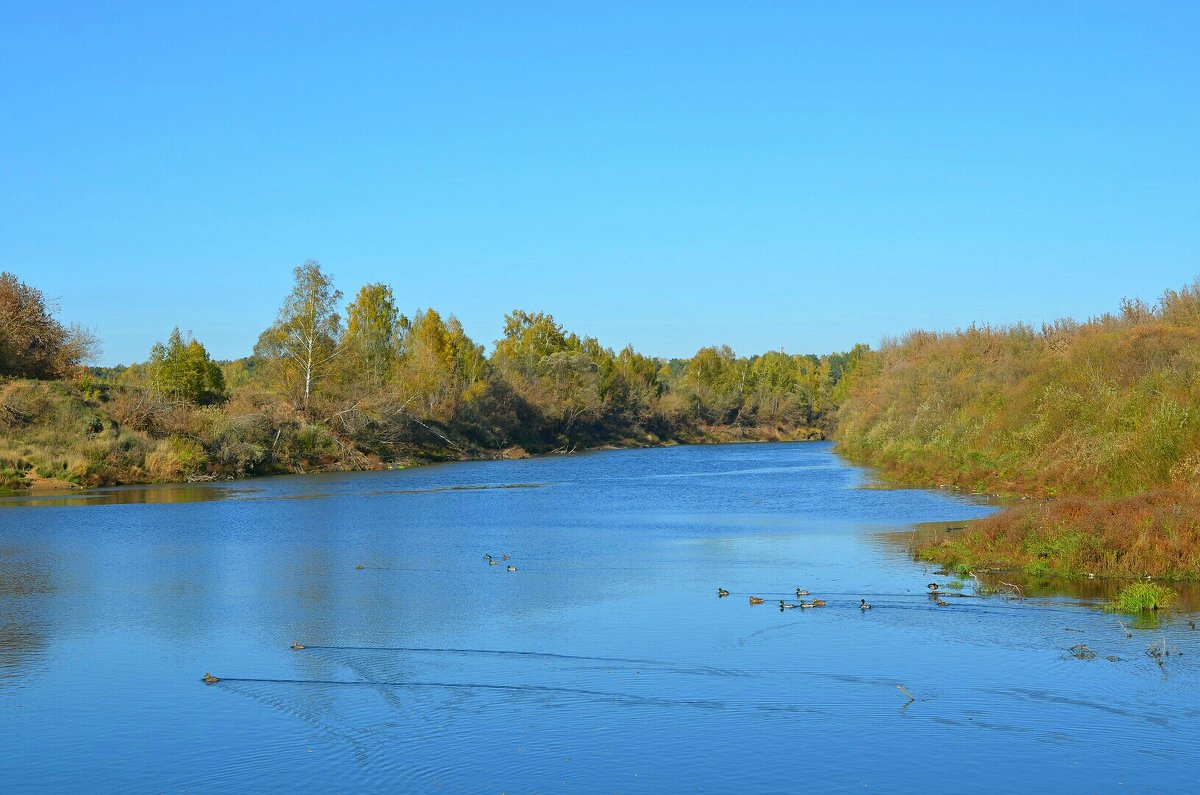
(1108, 407)
(377, 387)
(1104, 414)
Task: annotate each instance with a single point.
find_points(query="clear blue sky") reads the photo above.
(761, 174)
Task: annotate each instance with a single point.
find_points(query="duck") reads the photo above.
(807, 605)
(754, 600)
(801, 592)
(722, 593)
(941, 603)
(360, 567)
(818, 603)
(862, 605)
(487, 556)
(933, 586)
(493, 562)
(505, 557)
(209, 679)
(297, 645)
(512, 568)
(786, 606)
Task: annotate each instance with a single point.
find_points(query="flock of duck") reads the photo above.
(493, 562)
(934, 594)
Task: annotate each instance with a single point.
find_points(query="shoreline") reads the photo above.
(42, 486)
(1151, 534)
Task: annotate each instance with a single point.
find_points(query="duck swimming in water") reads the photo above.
(786, 606)
(722, 593)
(297, 645)
(862, 605)
(754, 600)
(359, 567)
(940, 603)
(209, 679)
(505, 557)
(933, 586)
(512, 568)
(800, 592)
(818, 602)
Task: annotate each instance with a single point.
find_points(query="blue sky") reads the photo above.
(762, 174)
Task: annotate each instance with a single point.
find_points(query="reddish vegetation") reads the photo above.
(1156, 534)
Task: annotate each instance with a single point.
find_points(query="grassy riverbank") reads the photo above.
(1155, 534)
(1102, 416)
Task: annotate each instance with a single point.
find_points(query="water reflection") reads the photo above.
(165, 494)
(25, 586)
(178, 493)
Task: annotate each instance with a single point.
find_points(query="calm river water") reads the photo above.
(604, 663)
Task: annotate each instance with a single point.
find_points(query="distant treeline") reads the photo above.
(376, 388)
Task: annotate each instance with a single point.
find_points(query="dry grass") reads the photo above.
(1105, 408)
(1154, 534)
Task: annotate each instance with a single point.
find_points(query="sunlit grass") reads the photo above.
(1140, 597)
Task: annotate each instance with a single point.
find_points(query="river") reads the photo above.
(606, 662)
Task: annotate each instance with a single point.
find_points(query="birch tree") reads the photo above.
(305, 337)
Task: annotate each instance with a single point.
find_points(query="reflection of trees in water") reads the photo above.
(167, 494)
(21, 643)
(23, 590)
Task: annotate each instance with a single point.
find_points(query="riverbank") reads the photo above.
(61, 435)
(1156, 535)
(1095, 424)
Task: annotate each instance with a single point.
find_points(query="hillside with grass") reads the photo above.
(1105, 412)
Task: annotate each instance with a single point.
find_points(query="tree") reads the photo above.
(440, 364)
(182, 370)
(370, 342)
(715, 377)
(304, 339)
(32, 343)
(529, 336)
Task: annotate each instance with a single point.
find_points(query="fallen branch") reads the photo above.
(1016, 589)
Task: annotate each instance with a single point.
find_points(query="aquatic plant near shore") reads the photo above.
(1140, 597)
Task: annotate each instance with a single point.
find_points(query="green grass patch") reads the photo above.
(1140, 597)
(1036, 568)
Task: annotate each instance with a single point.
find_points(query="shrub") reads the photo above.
(175, 458)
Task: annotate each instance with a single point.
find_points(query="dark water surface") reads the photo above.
(605, 663)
